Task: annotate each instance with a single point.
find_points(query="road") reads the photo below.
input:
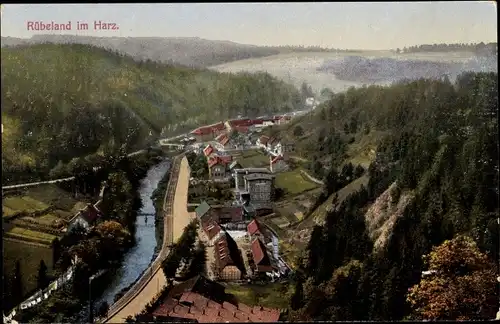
(176, 219)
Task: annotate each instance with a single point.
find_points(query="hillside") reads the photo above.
(187, 51)
(64, 101)
(430, 151)
(338, 71)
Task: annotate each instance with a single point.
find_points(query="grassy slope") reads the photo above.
(47, 87)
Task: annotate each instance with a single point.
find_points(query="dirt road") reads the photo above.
(181, 218)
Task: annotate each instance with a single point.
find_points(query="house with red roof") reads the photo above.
(86, 217)
(209, 132)
(218, 167)
(208, 150)
(277, 164)
(261, 259)
(223, 140)
(262, 141)
(201, 300)
(229, 263)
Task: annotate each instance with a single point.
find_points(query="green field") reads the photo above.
(293, 182)
(272, 295)
(23, 233)
(253, 159)
(29, 256)
(18, 204)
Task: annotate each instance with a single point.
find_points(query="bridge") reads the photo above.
(176, 218)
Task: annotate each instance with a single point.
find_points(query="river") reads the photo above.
(138, 258)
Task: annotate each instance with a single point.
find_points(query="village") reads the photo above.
(232, 186)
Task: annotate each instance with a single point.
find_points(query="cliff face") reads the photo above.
(382, 215)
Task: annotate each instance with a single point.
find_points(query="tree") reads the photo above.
(102, 310)
(17, 284)
(462, 284)
(42, 278)
(298, 131)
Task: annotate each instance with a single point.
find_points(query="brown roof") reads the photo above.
(235, 213)
(276, 159)
(227, 253)
(200, 285)
(240, 122)
(272, 140)
(260, 256)
(203, 310)
(90, 213)
(214, 160)
(264, 139)
(211, 228)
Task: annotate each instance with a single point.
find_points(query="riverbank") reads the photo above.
(176, 215)
(128, 179)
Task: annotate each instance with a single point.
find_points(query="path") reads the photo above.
(173, 230)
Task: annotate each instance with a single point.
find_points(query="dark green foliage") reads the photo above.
(183, 251)
(441, 148)
(42, 279)
(62, 101)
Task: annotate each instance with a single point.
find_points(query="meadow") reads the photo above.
(297, 68)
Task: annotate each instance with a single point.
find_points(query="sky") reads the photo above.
(350, 25)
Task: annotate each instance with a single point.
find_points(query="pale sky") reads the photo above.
(354, 25)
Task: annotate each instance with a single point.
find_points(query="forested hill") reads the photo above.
(65, 101)
(433, 175)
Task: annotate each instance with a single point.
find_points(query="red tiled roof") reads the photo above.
(208, 150)
(253, 227)
(227, 253)
(259, 253)
(241, 129)
(205, 130)
(276, 159)
(213, 312)
(211, 228)
(212, 161)
(226, 159)
(240, 122)
(224, 139)
(264, 139)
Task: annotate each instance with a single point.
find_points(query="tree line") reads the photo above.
(63, 101)
(440, 152)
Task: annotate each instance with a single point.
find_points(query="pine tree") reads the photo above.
(42, 279)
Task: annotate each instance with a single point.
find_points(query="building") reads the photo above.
(234, 165)
(284, 120)
(277, 164)
(271, 144)
(201, 300)
(219, 214)
(261, 259)
(208, 150)
(284, 148)
(255, 230)
(254, 184)
(258, 187)
(212, 231)
(223, 140)
(86, 218)
(209, 132)
(218, 167)
(262, 141)
(228, 260)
